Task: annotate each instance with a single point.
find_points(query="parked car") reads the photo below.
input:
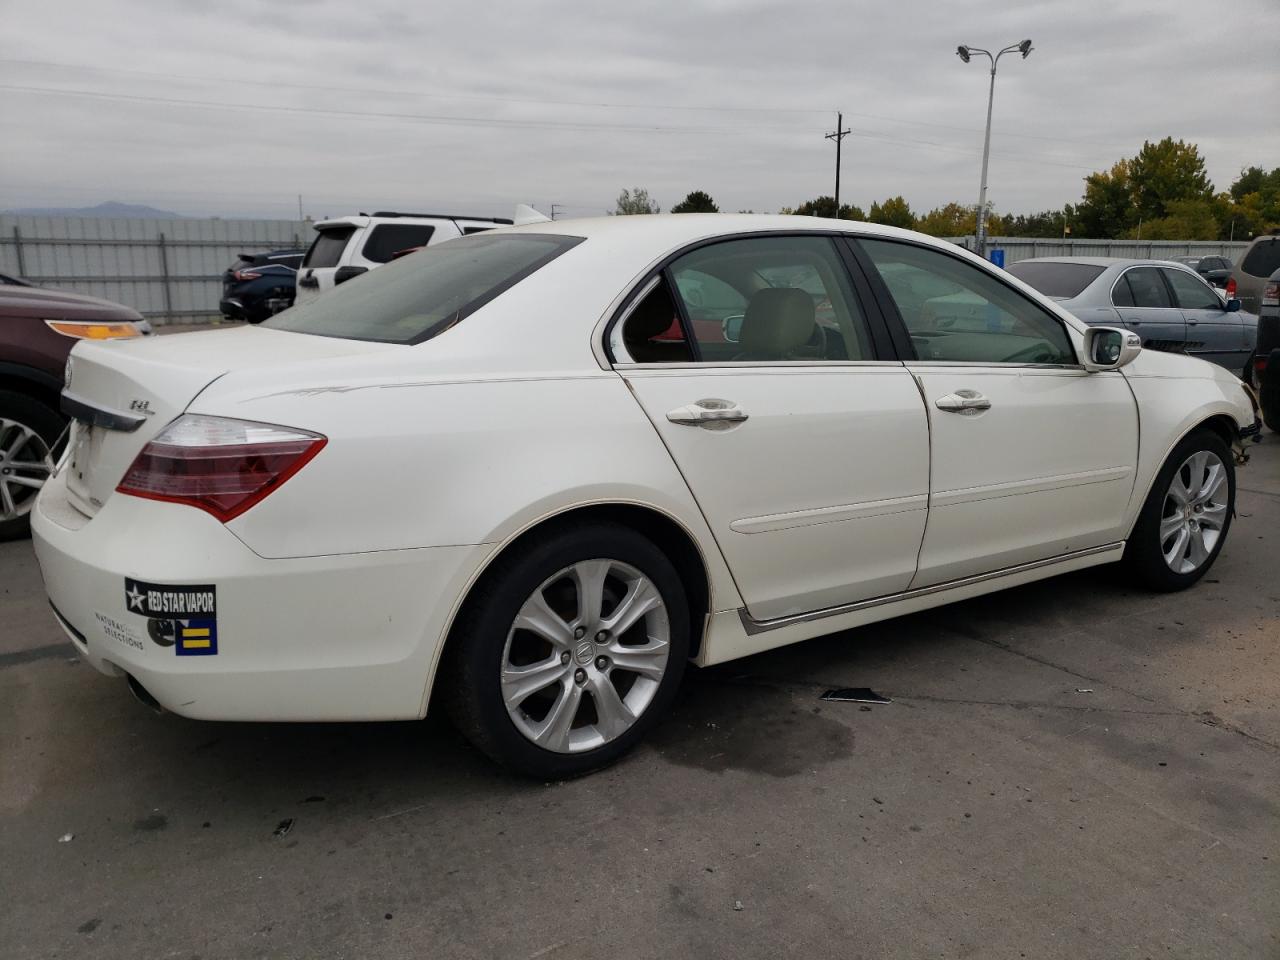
(475, 480)
(1248, 278)
(38, 327)
(1267, 359)
(258, 285)
(349, 246)
(1215, 270)
(1169, 305)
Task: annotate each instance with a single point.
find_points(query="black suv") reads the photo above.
(1215, 270)
(260, 284)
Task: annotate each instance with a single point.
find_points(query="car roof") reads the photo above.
(1106, 261)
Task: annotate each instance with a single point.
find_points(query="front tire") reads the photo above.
(1188, 512)
(28, 432)
(568, 651)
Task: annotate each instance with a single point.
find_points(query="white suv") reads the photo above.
(349, 246)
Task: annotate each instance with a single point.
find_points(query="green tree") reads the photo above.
(636, 201)
(1166, 173)
(697, 201)
(894, 212)
(1106, 211)
(826, 207)
(1045, 224)
(1183, 220)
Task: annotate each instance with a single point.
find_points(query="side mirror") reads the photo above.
(1109, 348)
(731, 328)
(343, 274)
(1233, 305)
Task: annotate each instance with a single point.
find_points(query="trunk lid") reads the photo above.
(124, 392)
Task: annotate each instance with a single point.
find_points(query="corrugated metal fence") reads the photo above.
(169, 270)
(1023, 248)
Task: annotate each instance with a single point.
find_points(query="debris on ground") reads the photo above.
(283, 827)
(737, 904)
(66, 838)
(1084, 689)
(854, 695)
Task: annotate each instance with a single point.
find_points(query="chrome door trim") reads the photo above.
(753, 626)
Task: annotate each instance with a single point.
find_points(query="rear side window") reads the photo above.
(1263, 258)
(1145, 289)
(326, 249)
(1064, 280)
(388, 239)
(416, 298)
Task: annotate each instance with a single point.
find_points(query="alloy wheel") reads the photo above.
(25, 464)
(1194, 512)
(585, 656)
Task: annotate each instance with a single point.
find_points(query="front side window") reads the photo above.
(958, 313)
(1141, 287)
(771, 299)
(415, 298)
(326, 249)
(1192, 292)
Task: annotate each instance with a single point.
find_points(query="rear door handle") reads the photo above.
(711, 412)
(967, 402)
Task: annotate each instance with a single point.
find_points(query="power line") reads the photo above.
(470, 121)
(476, 98)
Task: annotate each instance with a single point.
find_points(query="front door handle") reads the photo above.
(966, 402)
(711, 413)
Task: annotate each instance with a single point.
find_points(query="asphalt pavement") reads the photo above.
(1069, 769)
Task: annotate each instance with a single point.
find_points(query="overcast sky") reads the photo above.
(234, 107)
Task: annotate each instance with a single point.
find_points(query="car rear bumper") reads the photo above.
(348, 637)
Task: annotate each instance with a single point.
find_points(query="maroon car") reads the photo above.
(38, 328)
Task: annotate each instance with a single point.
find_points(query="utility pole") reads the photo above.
(300, 216)
(553, 209)
(839, 134)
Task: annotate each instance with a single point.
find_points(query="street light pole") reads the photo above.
(965, 53)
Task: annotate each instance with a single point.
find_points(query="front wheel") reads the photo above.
(568, 651)
(1185, 520)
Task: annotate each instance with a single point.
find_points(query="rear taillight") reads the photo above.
(1231, 287)
(1259, 365)
(1271, 295)
(220, 465)
(241, 275)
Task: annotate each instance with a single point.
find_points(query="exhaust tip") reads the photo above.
(143, 695)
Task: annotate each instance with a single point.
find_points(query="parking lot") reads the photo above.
(1069, 769)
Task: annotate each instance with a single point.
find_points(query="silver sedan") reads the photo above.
(1167, 304)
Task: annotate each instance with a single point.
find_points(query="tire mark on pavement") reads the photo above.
(37, 653)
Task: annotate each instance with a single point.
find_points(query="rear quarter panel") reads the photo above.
(438, 463)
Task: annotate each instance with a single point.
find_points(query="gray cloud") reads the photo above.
(485, 104)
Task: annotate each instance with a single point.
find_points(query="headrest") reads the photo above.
(778, 321)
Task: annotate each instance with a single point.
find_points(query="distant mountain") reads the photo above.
(102, 210)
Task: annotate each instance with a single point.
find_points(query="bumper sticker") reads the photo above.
(182, 616)
(119, 632)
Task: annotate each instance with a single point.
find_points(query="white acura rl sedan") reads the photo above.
(530, 473)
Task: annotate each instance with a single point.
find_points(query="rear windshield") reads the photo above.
(415, 298)
(1056, 279)
(1263, 258)
(326, 249)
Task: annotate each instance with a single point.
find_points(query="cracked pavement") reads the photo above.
(1068, 769)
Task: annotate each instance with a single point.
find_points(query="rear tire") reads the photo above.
(1269, 392)
(553, 685)
(28, 431)
(1187, 515)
